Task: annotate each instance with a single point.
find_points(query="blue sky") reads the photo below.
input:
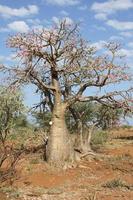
(101, 21)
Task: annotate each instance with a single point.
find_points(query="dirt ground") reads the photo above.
(106, 176)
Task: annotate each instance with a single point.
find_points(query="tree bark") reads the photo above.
(58, 150)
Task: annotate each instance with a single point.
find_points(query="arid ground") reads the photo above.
(108, 175)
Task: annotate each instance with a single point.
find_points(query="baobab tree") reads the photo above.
(64, 67)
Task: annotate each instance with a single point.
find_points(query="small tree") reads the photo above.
(109, 117)
(64, 68)
(11, 106)
(84, 118)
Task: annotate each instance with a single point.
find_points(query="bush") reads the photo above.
(99, 138)
(116, 183)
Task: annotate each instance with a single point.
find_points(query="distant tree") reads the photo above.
(64, 68)
(109, 117)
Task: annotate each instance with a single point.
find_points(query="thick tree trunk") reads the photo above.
(58, 144)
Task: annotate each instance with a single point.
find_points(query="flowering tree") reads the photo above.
(64, 68)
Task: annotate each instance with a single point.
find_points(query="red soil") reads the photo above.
(82, 182)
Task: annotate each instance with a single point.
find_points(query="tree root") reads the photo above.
(88, 153)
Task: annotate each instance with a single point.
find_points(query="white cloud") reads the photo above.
(6, 11)
(99, 45)
(63, 2)
(18, 26)
(126, 34)
(126, 52)
(37, 28)
(130, 44)
(101, 16)
(25, 26)
(57, 20)
(63, 12)
(22, 26)
(120, 25)
(111, 6)
(116, 38)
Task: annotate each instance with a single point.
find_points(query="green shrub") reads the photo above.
(99, 138)
(116, 183)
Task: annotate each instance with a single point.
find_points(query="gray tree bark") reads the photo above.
(58, 151)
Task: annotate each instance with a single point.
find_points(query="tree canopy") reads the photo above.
(60, 53)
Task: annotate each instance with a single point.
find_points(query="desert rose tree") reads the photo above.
(64, 68)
